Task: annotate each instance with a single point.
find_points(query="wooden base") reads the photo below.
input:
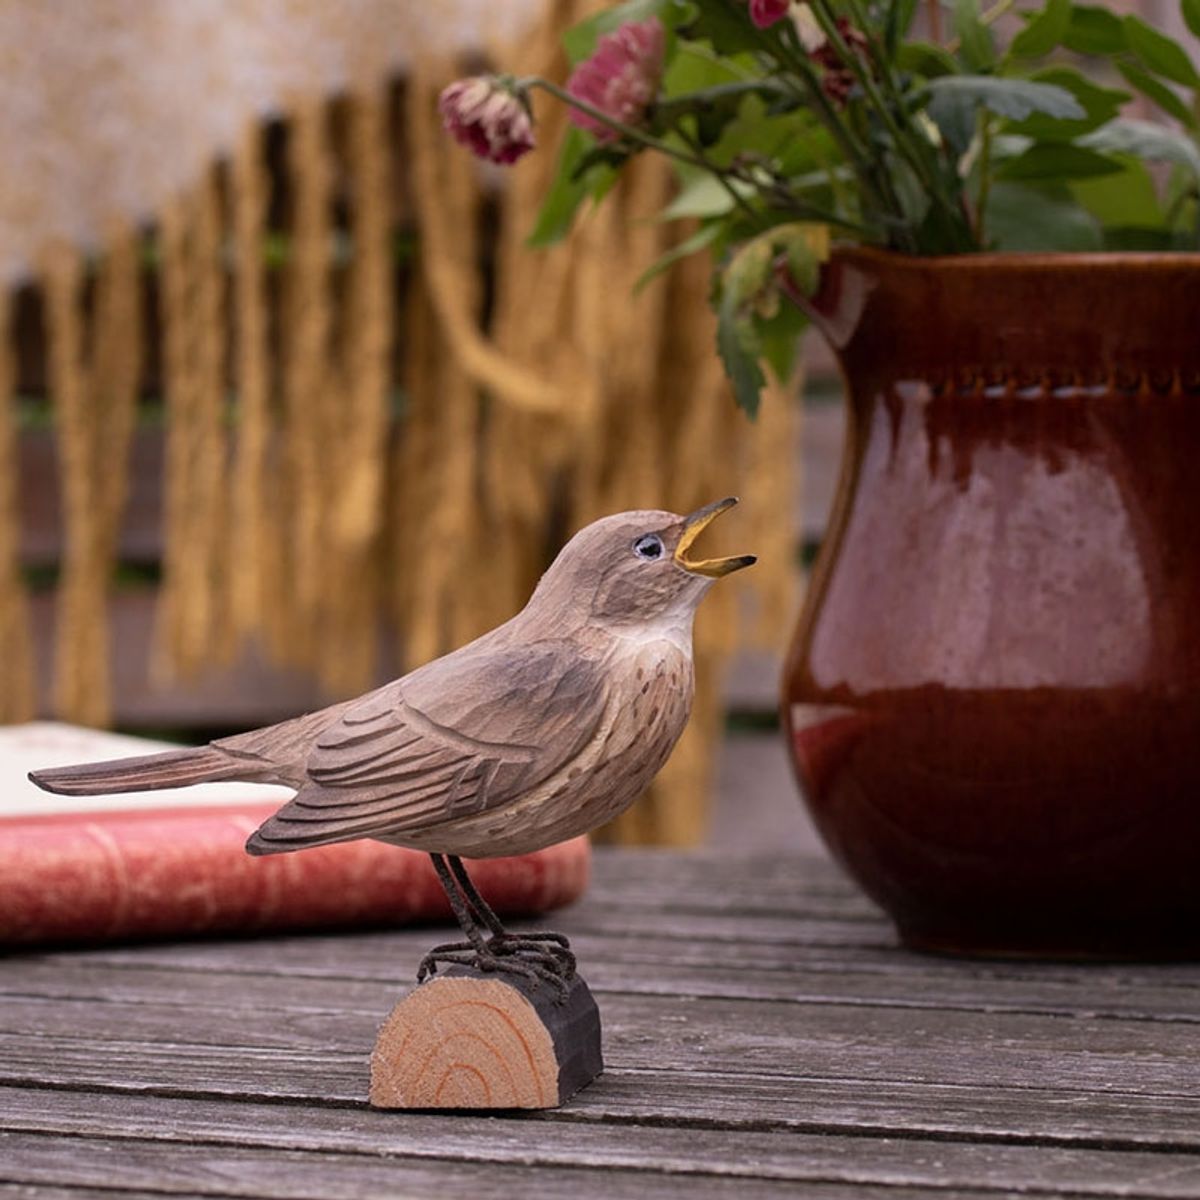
(466, 1039)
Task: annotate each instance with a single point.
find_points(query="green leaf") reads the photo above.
(726, 27)
(1044, 31)
(569, 189)
(804, 149)
(696, 69)
(1015, 98)
(1157, 91)
(751, 317)
(1191, 15)
(580, 40)
(1159, 53)
(700, 240)
(1146, 140)
(741, 361)
(792, 139)
(805, 247)
(700, 196)
(1094, 30)
(1128, 197)
(926, 59)
(779, 339)
(975, 46)
(954, 100)
(1095, 105)
(732, 125)
(953, 113)
(1057, 160)
(1023, 216)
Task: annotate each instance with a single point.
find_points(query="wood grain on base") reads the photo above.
(467, 1040)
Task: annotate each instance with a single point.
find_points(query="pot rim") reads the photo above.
(1033, 260)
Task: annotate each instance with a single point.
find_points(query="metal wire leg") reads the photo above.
(544, 946)
(479, 952)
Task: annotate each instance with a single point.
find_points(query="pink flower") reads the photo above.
(488, 117)
(764, 13)
(621, 78)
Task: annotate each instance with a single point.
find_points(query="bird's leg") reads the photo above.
(544, 946)
(460, 953)
(477, 950)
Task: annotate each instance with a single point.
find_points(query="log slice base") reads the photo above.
(470, 1040)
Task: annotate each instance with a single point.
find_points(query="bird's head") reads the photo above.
(636, 570)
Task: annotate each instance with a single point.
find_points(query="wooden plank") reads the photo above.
(702, 875)
(468, 1181)
(757, 1030)
(699, 1098)
(731, 1101)
(24, 1191)
(614, 963)
(68, 1168)
(687, 944)
(132, 1132)
(829, 1041)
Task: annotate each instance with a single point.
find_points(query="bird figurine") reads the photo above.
(545, 728)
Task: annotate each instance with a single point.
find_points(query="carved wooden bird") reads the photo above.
(542, 729)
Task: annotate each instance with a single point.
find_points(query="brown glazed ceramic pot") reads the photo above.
(993, 695)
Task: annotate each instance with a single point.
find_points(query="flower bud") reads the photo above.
(837, 79)
(489, 116)
(621, 78)
(764, 13)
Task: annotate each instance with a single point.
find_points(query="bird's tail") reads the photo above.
(173, 768)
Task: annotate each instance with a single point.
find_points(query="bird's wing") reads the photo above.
(470, 733)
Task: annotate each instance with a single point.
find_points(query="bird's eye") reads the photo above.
(648, 546)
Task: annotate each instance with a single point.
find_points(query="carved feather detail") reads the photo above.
(432, 748)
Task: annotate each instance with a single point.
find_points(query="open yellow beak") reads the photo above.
(693, 525)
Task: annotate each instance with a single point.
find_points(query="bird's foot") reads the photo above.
(526, 956)
(545, 946)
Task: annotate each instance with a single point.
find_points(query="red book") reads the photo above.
(75, 869)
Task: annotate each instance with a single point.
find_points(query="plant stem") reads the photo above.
(831, 173)
(985, 178)
(858, 157)
(694, 158)
(851, 60)
(739, 87)
(994, 13)
(629, 131)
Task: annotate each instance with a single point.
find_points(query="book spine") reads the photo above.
(70, 878)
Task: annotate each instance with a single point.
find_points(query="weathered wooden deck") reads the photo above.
(765, 1037)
